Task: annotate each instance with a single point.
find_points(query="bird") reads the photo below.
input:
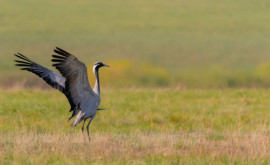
(73, 83)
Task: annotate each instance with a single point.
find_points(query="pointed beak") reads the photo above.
(106, 65)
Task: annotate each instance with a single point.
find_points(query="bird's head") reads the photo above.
(98, 65)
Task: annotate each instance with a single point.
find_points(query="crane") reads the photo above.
(73, 83)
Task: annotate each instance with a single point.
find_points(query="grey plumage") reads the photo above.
(73, 83)
(52, 78)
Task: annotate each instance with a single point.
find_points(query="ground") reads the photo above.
(141, 126)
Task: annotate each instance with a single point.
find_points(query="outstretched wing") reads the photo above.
(51, 78)
(77, 86)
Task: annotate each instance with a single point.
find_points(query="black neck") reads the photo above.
(97, 85)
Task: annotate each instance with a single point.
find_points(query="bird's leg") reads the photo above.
(88, 126)
(83, 125)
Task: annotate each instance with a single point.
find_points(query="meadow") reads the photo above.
(141, 126)
(219, 44)
(188, 83)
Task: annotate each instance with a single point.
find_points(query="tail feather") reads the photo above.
(74, 113)
(78, 119)
(99, 109)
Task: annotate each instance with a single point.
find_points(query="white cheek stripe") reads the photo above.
(94, 68)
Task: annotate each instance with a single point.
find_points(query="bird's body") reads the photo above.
(73, 83)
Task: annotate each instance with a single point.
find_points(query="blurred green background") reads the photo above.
(183, 43)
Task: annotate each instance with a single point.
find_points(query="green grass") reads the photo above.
(218, 43)
(142, 126)
(150, 110)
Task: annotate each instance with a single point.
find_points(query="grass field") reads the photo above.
(168, 58)
(142, 126)
(216, 43)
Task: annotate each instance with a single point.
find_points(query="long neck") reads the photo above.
(97, 87)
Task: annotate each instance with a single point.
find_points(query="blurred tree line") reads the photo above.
(126, 73)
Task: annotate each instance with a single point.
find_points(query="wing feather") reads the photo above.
(77, 86)
(51, 78)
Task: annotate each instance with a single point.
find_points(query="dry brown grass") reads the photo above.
(233, 145)
(208, 127)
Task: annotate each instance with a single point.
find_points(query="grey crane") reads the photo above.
(73, 83)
